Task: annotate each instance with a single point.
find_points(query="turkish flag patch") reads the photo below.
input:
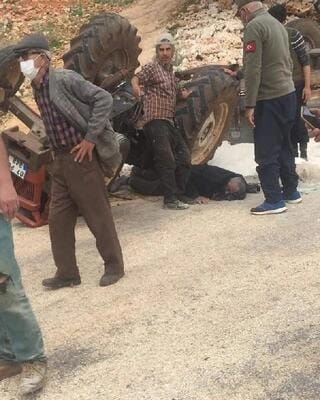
(250, 47)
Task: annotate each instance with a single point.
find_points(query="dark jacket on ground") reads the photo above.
(208, 180)
(205, 180)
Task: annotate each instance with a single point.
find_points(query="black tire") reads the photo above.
(104, 46)
(205, 116)
(124, 144)
(309, 29)
(10, 74)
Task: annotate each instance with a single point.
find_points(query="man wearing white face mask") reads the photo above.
(75, 114)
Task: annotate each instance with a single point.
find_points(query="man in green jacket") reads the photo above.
(270, 105)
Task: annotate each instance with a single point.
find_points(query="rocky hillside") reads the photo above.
(207, 34)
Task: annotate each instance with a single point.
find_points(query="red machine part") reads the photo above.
(33, 188)
(34, 201)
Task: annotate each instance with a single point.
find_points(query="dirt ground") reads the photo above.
(216, 304)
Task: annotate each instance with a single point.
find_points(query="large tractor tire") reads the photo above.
(10, 75)
(309, 29)
(107, 44)
(205, 116)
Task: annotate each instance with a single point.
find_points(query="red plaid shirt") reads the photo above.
(160, 88)
(60, 133)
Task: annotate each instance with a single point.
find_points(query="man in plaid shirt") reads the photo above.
(170, 154)
(75, 115)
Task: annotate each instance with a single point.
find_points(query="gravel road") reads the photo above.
(216, 304)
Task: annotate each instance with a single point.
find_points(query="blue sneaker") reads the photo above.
(269, 208)
(294, 198)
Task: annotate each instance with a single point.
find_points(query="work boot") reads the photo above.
(175, 204)
(187, 200)
(303, 151)
(108, 278)
(58, 283)
(32, 377)
(9, 368)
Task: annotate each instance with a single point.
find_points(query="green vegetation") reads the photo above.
(76, 10)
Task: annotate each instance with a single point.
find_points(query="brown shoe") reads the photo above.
(109, 279)
(58, 283)
(9, 368)
(32, 377)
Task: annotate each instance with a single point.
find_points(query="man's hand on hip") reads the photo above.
(83, 149)
(250, 116)
(9, 201)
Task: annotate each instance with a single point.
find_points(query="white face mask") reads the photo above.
(28, 69)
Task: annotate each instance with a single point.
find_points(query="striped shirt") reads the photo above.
(61, 135)
(298, 46)
(160, 92)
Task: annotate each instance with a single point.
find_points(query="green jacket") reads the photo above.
(267, 61)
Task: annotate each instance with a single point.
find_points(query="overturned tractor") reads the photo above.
(107, 46)
(106, 53)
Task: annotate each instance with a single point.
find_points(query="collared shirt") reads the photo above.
(60, 133)
(160, 92)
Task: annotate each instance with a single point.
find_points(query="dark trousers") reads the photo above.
(171, 157)
(299, 133)
(80, 187)
(273, 150)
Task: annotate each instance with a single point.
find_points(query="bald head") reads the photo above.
(246, 12)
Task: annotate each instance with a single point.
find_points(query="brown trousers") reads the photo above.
(80, 187)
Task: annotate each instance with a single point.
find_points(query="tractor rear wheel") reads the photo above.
(205, 116)
(107, 44)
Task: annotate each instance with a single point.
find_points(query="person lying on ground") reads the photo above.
(206, 182)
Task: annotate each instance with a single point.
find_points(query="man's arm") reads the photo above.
(9, 202)
(101, 102)
(252, 68)
(142, 78)
(136, 86)
(307, 83)
(299, 46)
(99, 99)
(252, 64)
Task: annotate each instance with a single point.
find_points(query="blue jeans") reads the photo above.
(20, 335)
